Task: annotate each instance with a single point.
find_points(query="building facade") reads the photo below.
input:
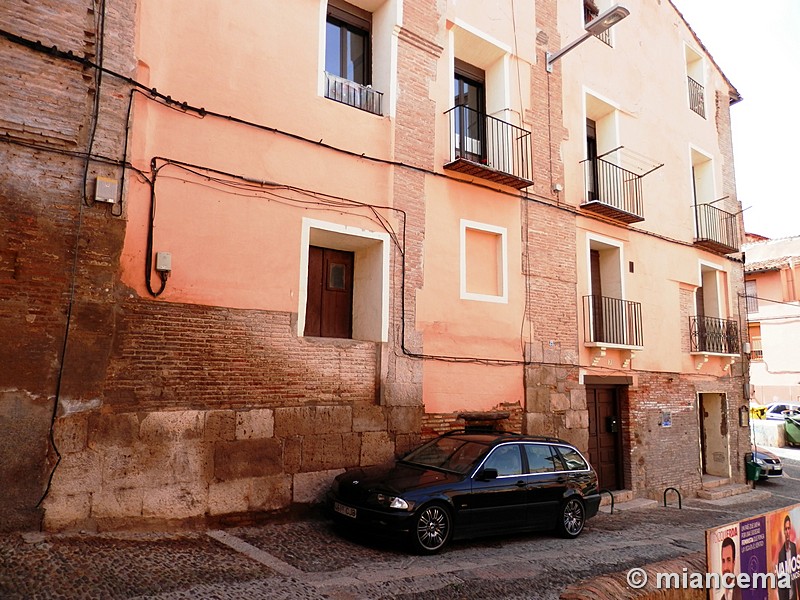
(772, 286)
(261, 243)
(648, 164)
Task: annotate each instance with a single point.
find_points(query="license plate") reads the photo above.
(344, 510)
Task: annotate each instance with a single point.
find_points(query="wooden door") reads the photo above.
(329, 305)
(470, 124)
(597, 297)
(702, 335)
(592, 187)
(605, 435)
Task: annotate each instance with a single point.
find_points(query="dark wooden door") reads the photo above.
(470, 124)
(703, 442)
(701, 319)
(597, 297)
(605, 435)
(329, 305)
(592, 192)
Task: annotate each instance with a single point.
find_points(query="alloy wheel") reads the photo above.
(573, 517)
(433, 528)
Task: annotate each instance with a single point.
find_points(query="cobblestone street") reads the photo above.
(309, 559)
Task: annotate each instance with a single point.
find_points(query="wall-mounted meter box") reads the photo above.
(105, 190)
(163, 262)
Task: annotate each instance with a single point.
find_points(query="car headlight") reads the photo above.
(760, 462)
(393, 502)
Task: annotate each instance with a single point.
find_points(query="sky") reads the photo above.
(757, 46)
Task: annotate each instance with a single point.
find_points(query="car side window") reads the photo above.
(541, 459)
(573, 461)
(506, 459)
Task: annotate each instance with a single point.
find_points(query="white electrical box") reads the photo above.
(163, 262)
(105, 190)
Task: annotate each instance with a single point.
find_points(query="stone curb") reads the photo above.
(616, 587)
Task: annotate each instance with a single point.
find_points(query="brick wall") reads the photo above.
(415, 125)
(169, 355)
(434, 424)
(661, 457)
(48, 102)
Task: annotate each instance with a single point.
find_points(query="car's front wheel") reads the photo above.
(433, 527)
(571, 518)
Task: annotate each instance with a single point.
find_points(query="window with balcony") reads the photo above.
(695, 76)
(348, 57)
(612, 174)
(711, 332)
(484, 140)
(715, 229)
(756, 350)
(609, 320)
(591, 9)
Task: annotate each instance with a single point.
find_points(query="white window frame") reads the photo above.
(722, 294)
(373, 328)
(502, 298)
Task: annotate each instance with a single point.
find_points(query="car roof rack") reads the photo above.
(479, 429)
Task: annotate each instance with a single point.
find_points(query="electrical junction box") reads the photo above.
(105, 190)
(163, 262)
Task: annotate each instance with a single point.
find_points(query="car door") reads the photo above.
(499, 504)
(547, 484)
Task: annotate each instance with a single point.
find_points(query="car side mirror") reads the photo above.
(487, 475)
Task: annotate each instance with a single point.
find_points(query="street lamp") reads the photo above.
(596, 26)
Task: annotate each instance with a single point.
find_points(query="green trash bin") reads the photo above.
(751, 469)
(791, 425)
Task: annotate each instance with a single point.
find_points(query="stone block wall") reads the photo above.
(184, 467)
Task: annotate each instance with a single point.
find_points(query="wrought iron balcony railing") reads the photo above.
(612, 321)
(612, 191)
(604, 36)
(489, 148)
(756, 351)
(697, 98)
(717, 230)
(353, 94)
(713, 335)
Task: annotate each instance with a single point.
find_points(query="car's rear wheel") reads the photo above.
(571, 518)
(433, 527)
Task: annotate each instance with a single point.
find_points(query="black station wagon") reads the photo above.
(465, 484)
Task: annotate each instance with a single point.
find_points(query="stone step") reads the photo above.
(751, 496)
(711, 481)
(723, 491)
(619, 496)
(632, 504)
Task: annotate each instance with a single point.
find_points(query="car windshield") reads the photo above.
(448, 453)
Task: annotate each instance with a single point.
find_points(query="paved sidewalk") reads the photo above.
(308, 559)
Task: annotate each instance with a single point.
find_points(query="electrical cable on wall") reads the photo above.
(186, 108)
(100, 20)
(200, 112)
